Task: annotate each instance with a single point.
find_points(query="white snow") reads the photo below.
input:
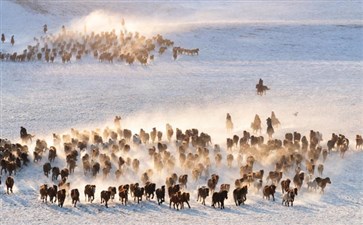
(309, 53)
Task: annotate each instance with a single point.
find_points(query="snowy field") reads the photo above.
(309, 54)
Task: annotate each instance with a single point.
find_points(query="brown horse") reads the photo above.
(105, 197)
(26, 138)
(256, 125)
(229, 123)
(75, 196)
(239, 195)
(203, 193)
(269, 190)
(359, 142)
(261, 89)
(9, 184)
(299, 179)
(285, 185)
(322, 182)
(89, 191)
(289, 197)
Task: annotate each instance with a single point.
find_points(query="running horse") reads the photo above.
(25, 137)
(261, 89)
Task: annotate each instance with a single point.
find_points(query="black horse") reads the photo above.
(25, 137)
(270, 129)
(219, 197)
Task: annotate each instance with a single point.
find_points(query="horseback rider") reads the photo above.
(261, 89)
(23, 132)
(260, 82)
(12, 41)
(269, 122)
(229, 117)
(63, 30)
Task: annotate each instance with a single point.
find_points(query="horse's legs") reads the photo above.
(188, 204)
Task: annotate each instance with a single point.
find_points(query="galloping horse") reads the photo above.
(25, 137)
(256, 125)
(261, 89)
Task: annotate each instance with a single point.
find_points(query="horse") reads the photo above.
(26, 138)
(219, 197)
(270, 129)
(261, 89)
(256, 125)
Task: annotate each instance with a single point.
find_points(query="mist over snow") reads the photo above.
(309, 53)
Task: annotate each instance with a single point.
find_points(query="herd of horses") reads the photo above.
(100, 152)
(68, 45)
(114, 153)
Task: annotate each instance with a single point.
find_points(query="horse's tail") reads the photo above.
(30, 137)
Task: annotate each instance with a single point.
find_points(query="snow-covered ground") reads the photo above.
(309, 53)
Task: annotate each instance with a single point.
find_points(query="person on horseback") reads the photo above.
(260, 82)
(45, 28)
(23, 132)
(270, 129)
(63, 30)
(261, 89)
(25, 136)
(12, 41)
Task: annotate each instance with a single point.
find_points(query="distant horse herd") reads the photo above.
(111, 150)
(108, 47)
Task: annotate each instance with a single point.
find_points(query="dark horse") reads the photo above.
(270, 129)
(261, 89)
(25, 137)
(219, 197)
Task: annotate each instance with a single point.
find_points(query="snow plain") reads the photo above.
(308, 53)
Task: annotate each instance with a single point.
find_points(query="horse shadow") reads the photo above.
(255, 209)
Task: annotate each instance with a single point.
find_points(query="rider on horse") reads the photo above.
(260, 82)
(23, 132)
(261, 88)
